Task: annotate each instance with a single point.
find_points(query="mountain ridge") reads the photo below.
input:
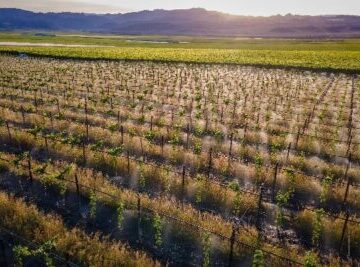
(195, 21)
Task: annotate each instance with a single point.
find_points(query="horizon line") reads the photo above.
(178, 9)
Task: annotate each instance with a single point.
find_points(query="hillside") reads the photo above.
(183, 22)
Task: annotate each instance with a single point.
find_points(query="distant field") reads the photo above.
(314, 54)
(187, 42)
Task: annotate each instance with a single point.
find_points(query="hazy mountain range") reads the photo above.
(195, 21)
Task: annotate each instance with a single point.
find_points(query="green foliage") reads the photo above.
(57, 179)
(198, 131)
(131, 131)
(70, 139)
(113, 127)
(35, 130)
(175, 139)
(120, 213)
(235, 186)
(198, 115)
(20, 157)
(157, 224)
(92, 204)
(291, 178)
(142, 178)
(218, 134)
(282, 198)
(197, 147)
(326, 184)
(40, 169)
(116, 151)
(259, 161)
(150, 136)
(310, 259)
(181, 112)
(141, 119)
(317, 227)
(206, 249)
(21, 252)
(238, 203)
(200, 181)
(98, 146)
(258, 260)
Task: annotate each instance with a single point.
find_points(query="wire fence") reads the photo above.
(256, 193)
(172, 218)
(248, 163)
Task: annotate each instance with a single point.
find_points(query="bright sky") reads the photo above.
(241, 7)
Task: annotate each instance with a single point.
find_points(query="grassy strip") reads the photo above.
(348, 61)
(168, 207)
(305, 221)
(304, 188)
(30, 223)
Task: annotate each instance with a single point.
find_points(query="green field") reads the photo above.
(341, 55)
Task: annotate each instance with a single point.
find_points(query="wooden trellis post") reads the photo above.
(206, 122)
(8, 130)
(232, 243)
(139, 218)
(187, 135)
(84, 151)
(86, 120)
(77, 185)
(35, 101)
(344, 231)
(210, 162)
(297, 138)
(151, 123)
(288, 152)
(29, 167)
(348, 150)
(231, 144)
(58, 106)
(22, 114)
(46, 143)
(122, 134)
(349, 181)
(274, 182)
(183, 186)
(141, 146)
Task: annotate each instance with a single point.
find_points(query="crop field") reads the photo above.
(325, 55)
(143, 163)
(318, 60)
